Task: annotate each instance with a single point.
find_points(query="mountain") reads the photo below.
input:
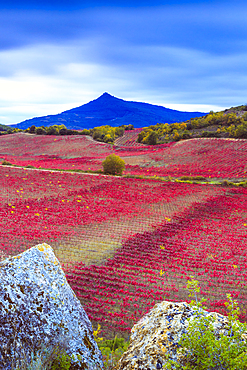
(109, 110)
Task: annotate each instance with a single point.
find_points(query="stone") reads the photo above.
(157, 334)
(38, 307)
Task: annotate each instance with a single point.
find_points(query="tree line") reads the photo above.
(105, 134)
(231, 123)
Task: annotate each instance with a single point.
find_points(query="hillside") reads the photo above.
(4, 128)
(213, 158)
(109, 110)
(231, 123)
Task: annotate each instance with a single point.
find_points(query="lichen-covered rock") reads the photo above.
(37, 306)
(157, 334)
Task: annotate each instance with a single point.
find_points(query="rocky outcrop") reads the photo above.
(157, 334)
(38, 307)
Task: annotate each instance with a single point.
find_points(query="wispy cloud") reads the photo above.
(180, 55)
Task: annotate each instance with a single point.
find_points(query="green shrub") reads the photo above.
(85, 132)
(243, 184)
(40, 131)
(6, 163)
(151, 138)
(113, 165)
(107, 134)
(62, 361)
(227, 183)
(32, 129)
(202, 349)
(45, 358)
(51, 130)
(63, 131)
(111, 349)
(191, 178)
(210, 134)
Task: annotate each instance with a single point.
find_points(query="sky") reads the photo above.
(182, 54)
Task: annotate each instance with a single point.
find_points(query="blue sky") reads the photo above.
(185, 55)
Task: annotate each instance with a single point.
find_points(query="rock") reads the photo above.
(37, 306)
(157, 334)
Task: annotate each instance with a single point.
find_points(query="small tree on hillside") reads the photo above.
(40, 131)
(32, 129)
(51, 130)
(151, 139)
(63, 131)
(113, 165)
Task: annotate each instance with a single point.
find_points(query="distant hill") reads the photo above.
(4, 127)
(230, 123)
(108, 110)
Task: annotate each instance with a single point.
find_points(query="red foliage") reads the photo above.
(208, 157)
(181, 229)
(207, 241)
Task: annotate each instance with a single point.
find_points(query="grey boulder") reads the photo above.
(38, 308)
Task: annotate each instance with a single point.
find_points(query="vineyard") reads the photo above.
(215, 158)
(128, 243)
(207, 240)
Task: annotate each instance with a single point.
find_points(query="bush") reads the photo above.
(32, 129)
(40, 131)
(227, 183)
(113, 165)
(51, 130)
(111, 349)
(191, 178)
(210, 134)
(6, 163)
(243, 183)
(201, 348)
(46, 359)
(84, 132)
(71, 132)
(63, 131)
(43, 357)
(151, 138)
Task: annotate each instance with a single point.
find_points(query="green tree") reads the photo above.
(16, 130)
(40, 131)
(97, 134)
(151, 139)
(85, 132)
(113, 165)
(241, 131)
(32, 129)
(129, 127)
(63, 131)
(51, 130)
(141, 136)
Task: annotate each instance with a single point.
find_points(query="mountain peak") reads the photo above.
(109, 110)
(106, 95)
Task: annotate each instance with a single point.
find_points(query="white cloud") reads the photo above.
(182, 57)
(59, 77)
